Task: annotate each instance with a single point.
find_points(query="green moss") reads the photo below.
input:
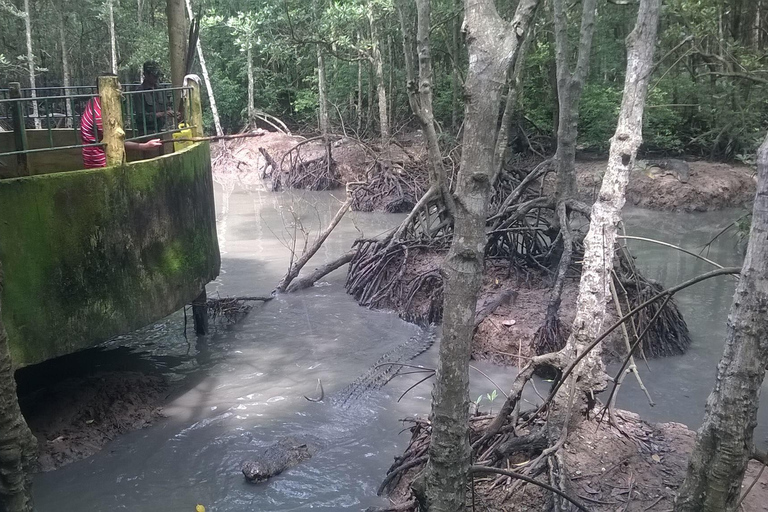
(90, 254)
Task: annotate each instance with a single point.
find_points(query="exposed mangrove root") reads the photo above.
(227, 309)
(299, 170)
(390, 187)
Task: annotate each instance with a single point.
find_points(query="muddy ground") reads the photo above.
(639, 470)
(711, 186)
(75, 417)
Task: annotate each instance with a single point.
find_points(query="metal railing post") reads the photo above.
(112, 119)
(193, 105)
(19, 128)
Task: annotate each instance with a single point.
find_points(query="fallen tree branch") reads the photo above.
(487, 469)
(296, 267)
(320, 272)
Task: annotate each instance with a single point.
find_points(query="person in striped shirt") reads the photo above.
(91, 132)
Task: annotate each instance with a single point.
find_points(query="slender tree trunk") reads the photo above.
(139, 12)
(18, 447)
(569, 86)
(420, 89)
(206, 78)
(322, 93)
(251, 100)
(455, 82)
(515, 84)
(381, 90)
(359, 110)
(31, 63)
(725, 440)
(112, 38)
(599, 243)
(66, 72)
(177, 39)
(492, 44)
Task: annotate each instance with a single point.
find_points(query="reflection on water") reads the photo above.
(242, 386)
(680, 385)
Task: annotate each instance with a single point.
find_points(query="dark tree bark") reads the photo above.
(18, 447)
(492, 45)
(724, 442)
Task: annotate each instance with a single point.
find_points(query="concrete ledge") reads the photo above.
(95, 253)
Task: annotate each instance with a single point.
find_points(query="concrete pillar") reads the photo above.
(194, 106)
(200, 313)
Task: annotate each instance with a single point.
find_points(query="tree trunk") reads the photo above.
(420, 90)
(594, 286)
(31, 64)
(251, 100)
(724, 442)
(455, 89)
(322, 92)
(515, 84)
(18, 447)
(206, 78)
(569, 86)
(381, 91)
(112, 38)
(359, 111)
(177, 39)
(492, 44)
(66, 72)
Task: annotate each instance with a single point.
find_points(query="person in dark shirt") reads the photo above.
(151, 108)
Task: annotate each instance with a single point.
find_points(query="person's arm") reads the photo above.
(144, 146)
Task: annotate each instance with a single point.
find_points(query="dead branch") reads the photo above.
(320, 272)
(487, 469)
(296, 267)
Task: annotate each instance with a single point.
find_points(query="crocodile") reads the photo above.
(673, 167)
(293, 450)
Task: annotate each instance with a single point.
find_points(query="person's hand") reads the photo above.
(151, 144)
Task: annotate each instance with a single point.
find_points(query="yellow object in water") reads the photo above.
(199, 507)
(184, 133)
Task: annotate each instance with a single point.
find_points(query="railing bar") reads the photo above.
(47, 105)
(12, 100)
(57, 148)
(155, 135)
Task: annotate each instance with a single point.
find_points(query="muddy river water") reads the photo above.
(241, 387)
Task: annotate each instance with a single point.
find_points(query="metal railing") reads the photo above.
(142, 114)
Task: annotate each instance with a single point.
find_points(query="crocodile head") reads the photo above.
(256, 472)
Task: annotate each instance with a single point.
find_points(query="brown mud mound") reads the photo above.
(75, 418)
(390, 179)
(639, 470)
(711, 186)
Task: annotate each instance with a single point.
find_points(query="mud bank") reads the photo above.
(711, 186)
(637, 469)
(74, 418)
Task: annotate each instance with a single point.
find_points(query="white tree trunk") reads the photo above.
(112, 38)
(206, 78)
(606, 212)
(251, 101)
(65, 70)
(322, 93)
(381, 90)
(359, 110)
(31, 64)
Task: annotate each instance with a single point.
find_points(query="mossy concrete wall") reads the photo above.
(91, 254)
